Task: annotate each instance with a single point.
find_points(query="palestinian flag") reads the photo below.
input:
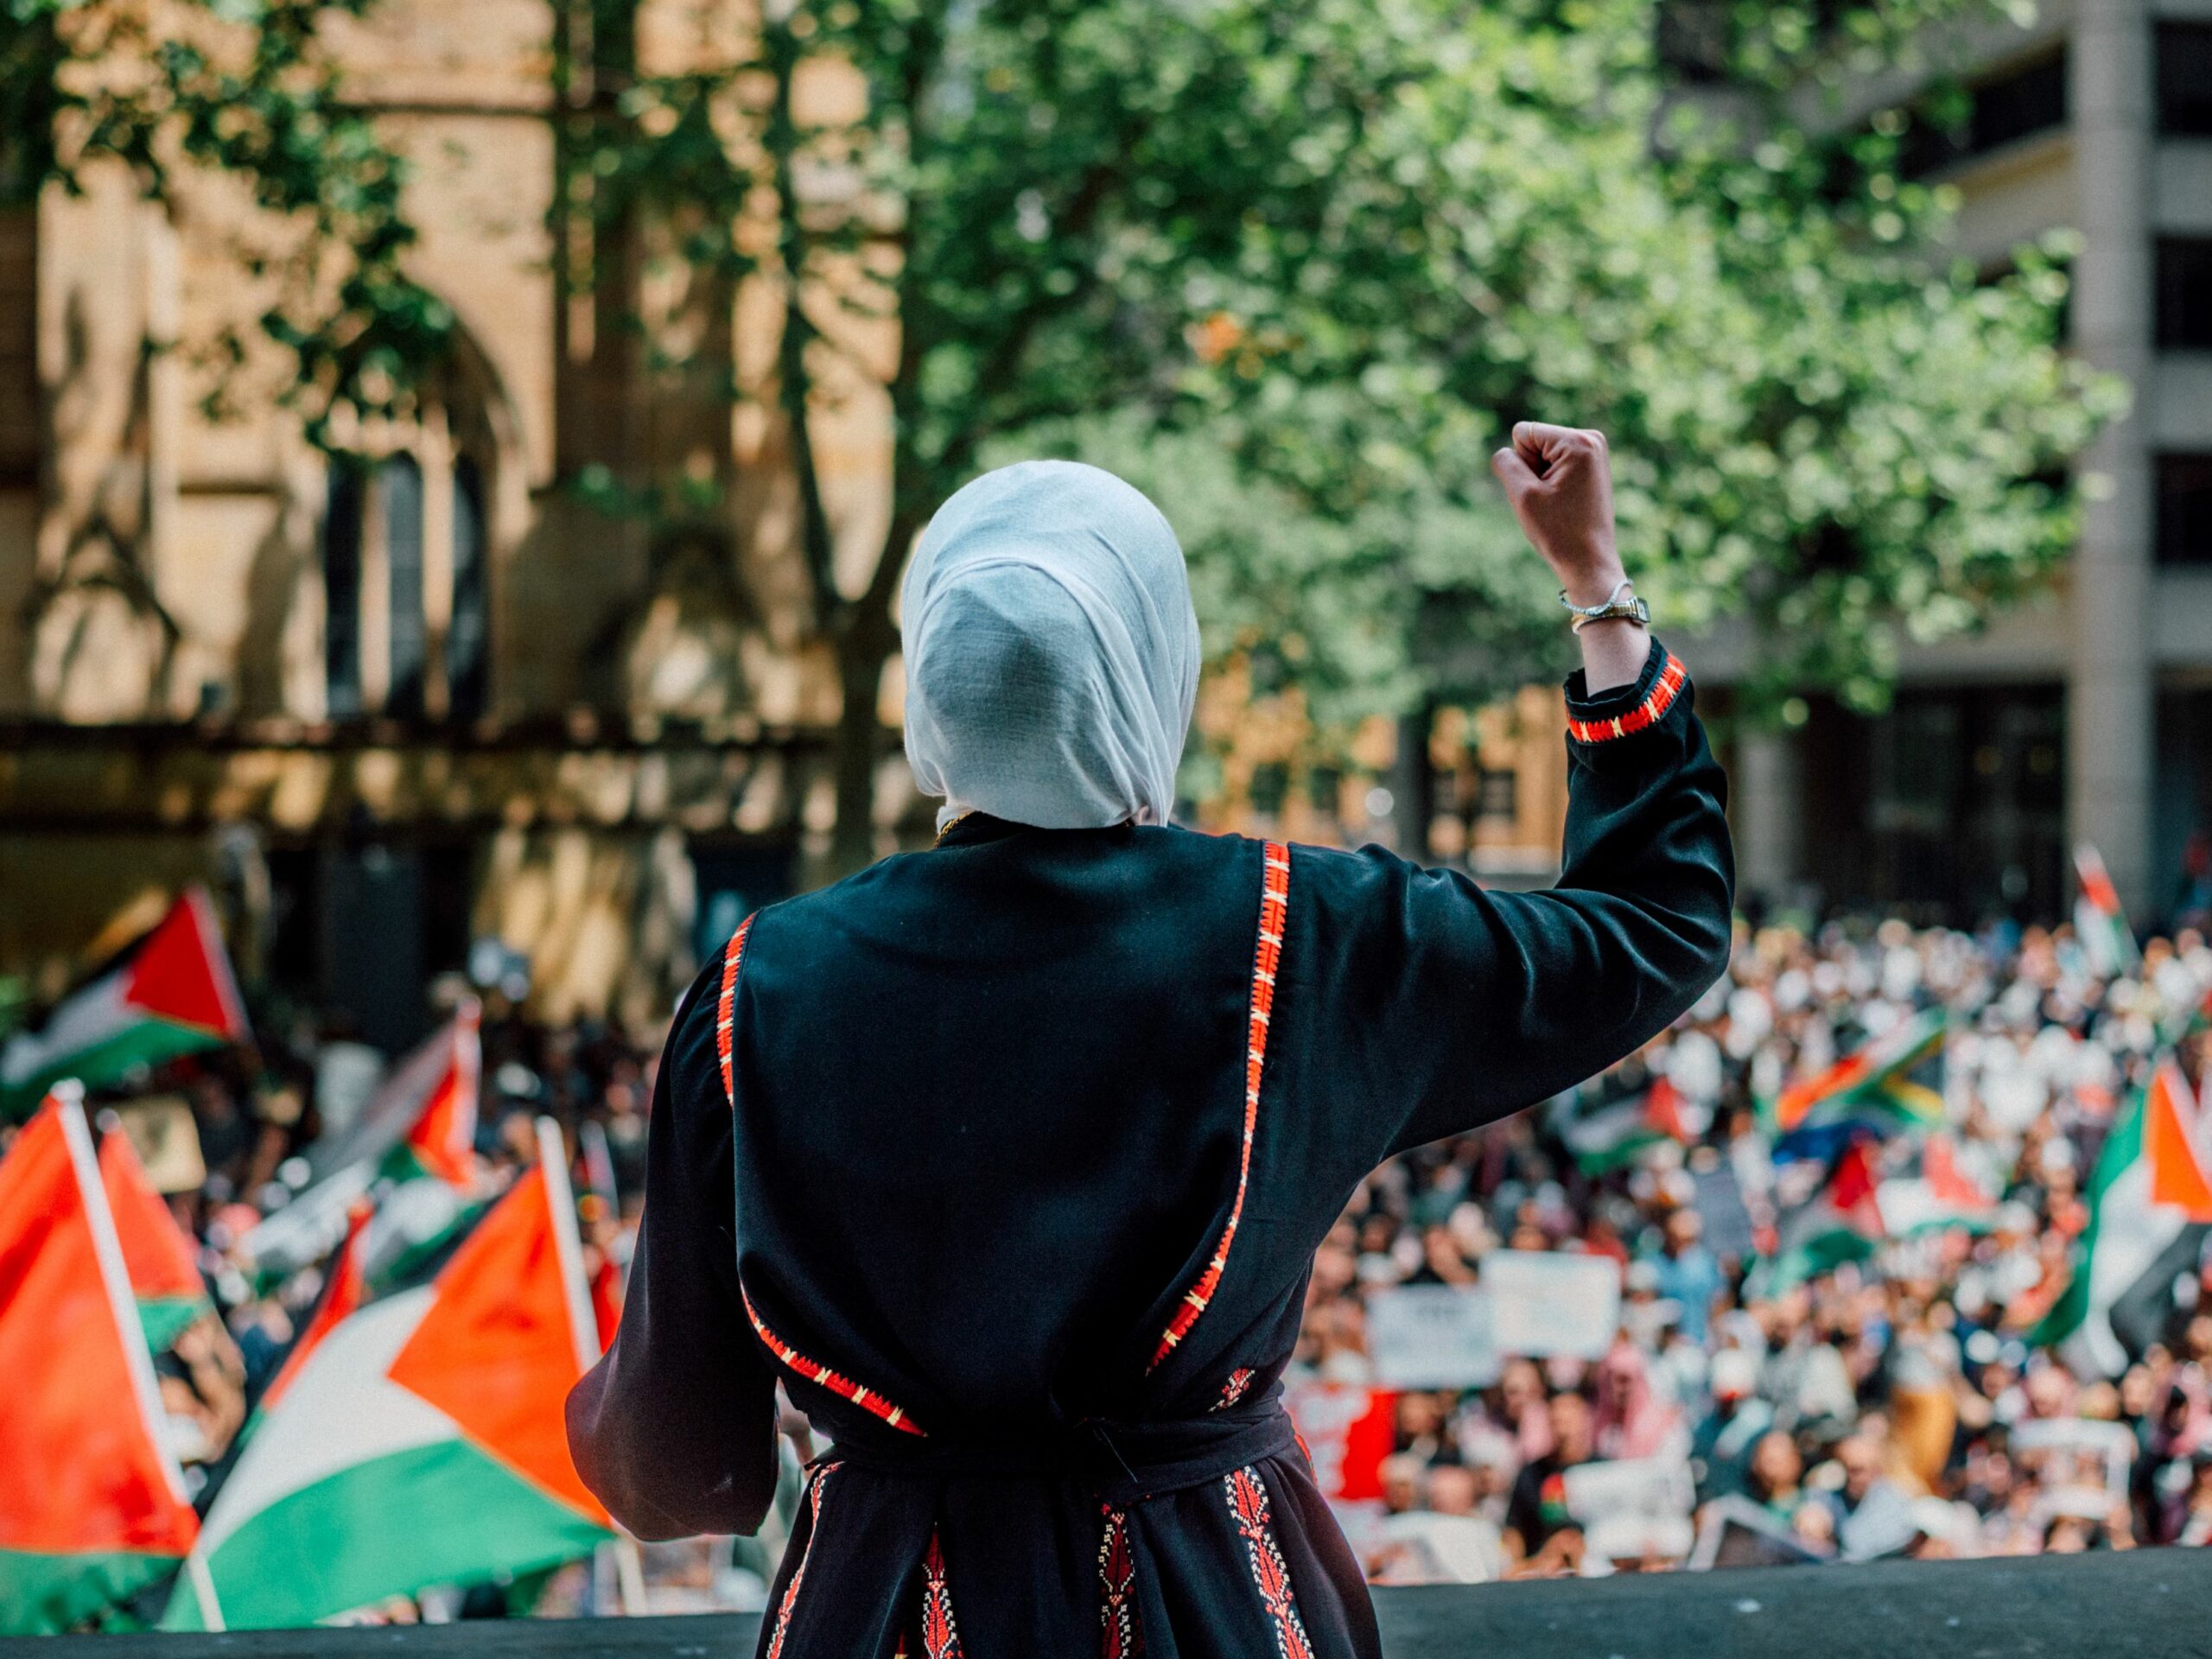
(1842, 1221)
(93, 1506)
(157, 1255)
(2098, 921)
(441, 1140)
(1611, 1137)
(170, 994)
(1895, 1081)
(1941, 1195)
(343, 1292)
(2150, 1198)
(422, 1440)
(421, 1122)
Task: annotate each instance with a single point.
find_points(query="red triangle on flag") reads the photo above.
(343, 1293)
(606, 1301)
(2178, 1173)
(79, 1471)
(1851, 1190)
(181, 974)
(1939, 1167)
(1662, 1110)
(496, 1351)
(443, 1137)
(158, 1257)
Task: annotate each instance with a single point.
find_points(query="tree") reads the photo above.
(242, 87)
(1292, 264)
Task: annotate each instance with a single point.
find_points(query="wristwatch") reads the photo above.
(1630, 610)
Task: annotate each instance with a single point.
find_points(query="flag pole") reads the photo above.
(567, 1247)
(68, 1096)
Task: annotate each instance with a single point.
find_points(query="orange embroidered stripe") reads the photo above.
(940, 1636)
(1266, 957)
(815, 1372)
(1248, 1503)
(726, 1010)
(813, 1490)
(1673, 676)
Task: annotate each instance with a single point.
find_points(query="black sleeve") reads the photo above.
(1441, 1006)
(675, 1428)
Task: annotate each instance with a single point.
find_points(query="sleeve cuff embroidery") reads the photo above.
(1657, 702)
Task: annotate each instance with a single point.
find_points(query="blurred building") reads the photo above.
(2085, 715)
(427, 696)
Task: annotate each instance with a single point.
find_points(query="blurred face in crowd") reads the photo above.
(1683, 1228)
(1419, 1415)
(1521, 1387)
(2137, 1391)
(1776, 1465)
(2049, 1392)
(1570, 1415)
(1862, 1466)
(1402, 1482)
(1452, 1489)
(2197, 1341)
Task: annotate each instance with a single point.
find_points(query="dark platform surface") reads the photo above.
(2151, 1602)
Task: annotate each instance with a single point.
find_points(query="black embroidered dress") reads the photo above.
(1031, 1138)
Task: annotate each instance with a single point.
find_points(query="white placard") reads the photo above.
(1647, 1487)
(1542, 1303)
(1431, 1337)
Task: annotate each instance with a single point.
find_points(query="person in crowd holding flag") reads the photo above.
(1157, 1059)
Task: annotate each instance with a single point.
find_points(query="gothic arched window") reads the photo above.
(406, 557)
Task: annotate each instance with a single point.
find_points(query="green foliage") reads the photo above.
(1295, 265)
(242, 87)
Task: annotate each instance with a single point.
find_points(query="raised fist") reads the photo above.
(1560, 486)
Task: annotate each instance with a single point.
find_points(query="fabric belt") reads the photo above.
(1122, 1462)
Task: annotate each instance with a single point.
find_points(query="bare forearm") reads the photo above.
(1559, 481)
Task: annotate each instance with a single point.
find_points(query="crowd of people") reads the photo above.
(1916, 1401)
(1899, 1404)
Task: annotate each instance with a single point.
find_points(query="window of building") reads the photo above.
(2014, 103)
(2185, 79)
(2185, 510)
(341, 589)
(399, 492)
(468, 636)
(2018, 103)
(406, 557)
(2185, 298)
(1497, 794)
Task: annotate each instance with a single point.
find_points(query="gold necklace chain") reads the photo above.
(951, 825)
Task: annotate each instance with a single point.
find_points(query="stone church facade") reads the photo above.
(424, 695)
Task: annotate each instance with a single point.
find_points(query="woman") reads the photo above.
(1008, 1159)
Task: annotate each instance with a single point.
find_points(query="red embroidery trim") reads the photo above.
(814, 1372)
(791, 1591)
(1248, 1501)
(1673, 676)
(1233, 1390)
(726, 1010)
(940, 1640)
(1266, 957)
(1119, 1635)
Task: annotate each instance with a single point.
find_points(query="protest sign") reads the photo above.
(1544, 1303)
(1432, 1336)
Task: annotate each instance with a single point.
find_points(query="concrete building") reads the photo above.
(2085, 715)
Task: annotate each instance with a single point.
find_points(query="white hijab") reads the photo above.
(1051, 651)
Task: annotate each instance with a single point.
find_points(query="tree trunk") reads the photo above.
(862, 651)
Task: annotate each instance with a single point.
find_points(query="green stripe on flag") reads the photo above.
(48, 1595)
(144, 1042)
(164, 1318)
(437, 1514)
